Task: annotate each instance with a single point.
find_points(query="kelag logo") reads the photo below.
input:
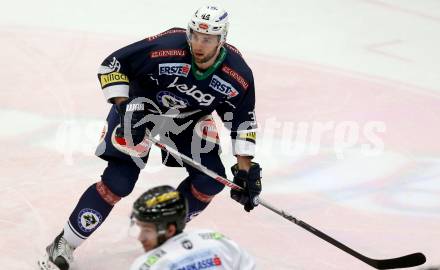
(203, 99)
(222, 86)
(178, 69)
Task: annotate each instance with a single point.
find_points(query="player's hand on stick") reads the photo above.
(130, 113)
(250, 182)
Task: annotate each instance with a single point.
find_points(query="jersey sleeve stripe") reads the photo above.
(119, 90)
(243, 148)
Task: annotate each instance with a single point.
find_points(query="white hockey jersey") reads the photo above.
(196, 250)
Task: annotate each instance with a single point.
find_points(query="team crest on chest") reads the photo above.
(170, 100)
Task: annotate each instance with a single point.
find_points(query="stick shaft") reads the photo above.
(405, 261)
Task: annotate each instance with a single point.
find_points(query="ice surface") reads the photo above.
(329, 74)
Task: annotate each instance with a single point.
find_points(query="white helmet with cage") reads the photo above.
(209, 20)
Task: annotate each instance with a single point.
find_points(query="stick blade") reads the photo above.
(410, 260)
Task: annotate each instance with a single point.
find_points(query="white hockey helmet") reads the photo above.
(209, 20)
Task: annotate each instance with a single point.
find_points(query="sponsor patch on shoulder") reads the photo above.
(248, 136)
(111, 78)
(222, 86)
(234, 74)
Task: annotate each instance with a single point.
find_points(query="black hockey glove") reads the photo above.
(251, 184)
(130, 113)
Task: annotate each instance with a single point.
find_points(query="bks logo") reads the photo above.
(178, 69)
(203, 99)
(186, 244)
(222, 86)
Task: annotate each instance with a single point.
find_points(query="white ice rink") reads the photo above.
(348, 101)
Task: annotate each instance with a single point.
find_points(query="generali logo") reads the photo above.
(234, 74)
(167, 53)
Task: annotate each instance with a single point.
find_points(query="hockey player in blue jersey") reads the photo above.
(168, 86)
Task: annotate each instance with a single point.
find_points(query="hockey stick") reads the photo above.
(400, 262)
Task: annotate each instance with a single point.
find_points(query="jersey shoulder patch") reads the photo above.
(236, 75)
(236, 68)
